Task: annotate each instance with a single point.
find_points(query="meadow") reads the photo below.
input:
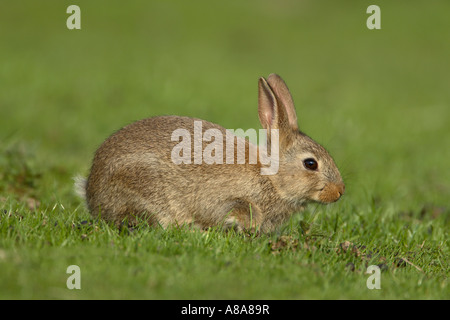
(378, 100)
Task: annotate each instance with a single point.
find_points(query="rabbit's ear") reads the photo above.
(272, 115)
(267, 106)
(284, 98)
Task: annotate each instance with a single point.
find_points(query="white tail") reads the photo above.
(80, 186)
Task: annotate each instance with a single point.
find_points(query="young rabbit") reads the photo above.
(134, 175)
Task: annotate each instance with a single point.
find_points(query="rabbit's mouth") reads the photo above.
(332, 192)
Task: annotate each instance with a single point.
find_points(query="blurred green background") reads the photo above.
(378, 100)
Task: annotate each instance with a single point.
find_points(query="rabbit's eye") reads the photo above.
(310, 164)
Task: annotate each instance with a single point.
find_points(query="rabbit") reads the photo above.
(133, 176)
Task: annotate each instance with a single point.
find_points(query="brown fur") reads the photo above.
(132, 174)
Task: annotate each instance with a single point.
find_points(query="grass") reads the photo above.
(179, 263)
(378, 100)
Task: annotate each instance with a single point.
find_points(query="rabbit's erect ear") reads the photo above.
(273, 115)
(284, 98)
(267, 105)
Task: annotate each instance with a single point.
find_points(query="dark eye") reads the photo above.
(310, 164)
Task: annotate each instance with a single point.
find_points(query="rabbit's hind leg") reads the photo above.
(244, 217)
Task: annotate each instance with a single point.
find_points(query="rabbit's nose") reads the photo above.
(341, 188)
(332, 192)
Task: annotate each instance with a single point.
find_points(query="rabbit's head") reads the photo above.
(306, 170)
